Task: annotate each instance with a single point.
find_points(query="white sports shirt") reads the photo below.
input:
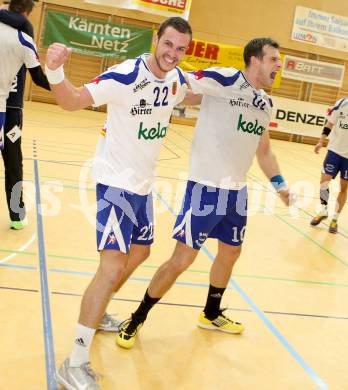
(16, 49)
(338, 138)
(139, 106)
(232, 118)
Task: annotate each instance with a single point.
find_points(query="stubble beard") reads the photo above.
(157, 59)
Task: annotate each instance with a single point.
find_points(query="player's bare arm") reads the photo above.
(68, 96)
(324, 135)
(265, 157)
(269, 165)
(192, 99)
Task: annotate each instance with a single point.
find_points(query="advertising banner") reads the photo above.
(320, 28)
(318, 72)
(96, 37)
(298, 117)
(288, 116)
(165, 8)
(203, 54)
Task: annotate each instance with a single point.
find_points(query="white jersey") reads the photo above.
(338, 138)
(232, 118)
(16, 49)
(139, 106)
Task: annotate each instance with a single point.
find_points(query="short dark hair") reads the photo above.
(255, 48)
(20, 6)
(176, 22)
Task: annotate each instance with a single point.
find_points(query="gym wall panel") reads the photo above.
(231, 22)
(79, 68)
(238, 21)
(80, 4)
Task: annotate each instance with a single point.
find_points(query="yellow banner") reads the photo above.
(166, 7)
(203, 54)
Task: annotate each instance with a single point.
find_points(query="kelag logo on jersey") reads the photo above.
(152, 133)
(250, 127)
(141, 108)
(343, 126)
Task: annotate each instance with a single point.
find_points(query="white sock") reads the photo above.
(323, 210)
(335, 216)
(83, 342)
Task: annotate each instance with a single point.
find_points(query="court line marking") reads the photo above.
(18, 266)
(275, 146)
(45, 301)
(324, 223)
(307, 368)
(327, 251)
(18, 251)
(299, 155)
(184, 304)
(86, 273)
(201, 306)
(90, 273)
(257, 179)
(249, 174)
(18, 289)
(192, 270)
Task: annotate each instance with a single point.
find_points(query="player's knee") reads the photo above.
(230, 255)
(179, 264)
(113, 273)
(115, 276)
(236, 251)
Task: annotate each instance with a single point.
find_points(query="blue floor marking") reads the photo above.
(45, 301)
(314, 376)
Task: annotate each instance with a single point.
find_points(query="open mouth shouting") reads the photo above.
(273, 75)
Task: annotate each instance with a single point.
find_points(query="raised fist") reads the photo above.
(57, 54)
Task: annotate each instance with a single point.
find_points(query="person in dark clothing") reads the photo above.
(16, 17)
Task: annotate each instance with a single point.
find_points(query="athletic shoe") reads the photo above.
(127, 333)
(77, 378)
(109, 323)
(317, 219)
(19, 225)
(333, 226)
(221, 323)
